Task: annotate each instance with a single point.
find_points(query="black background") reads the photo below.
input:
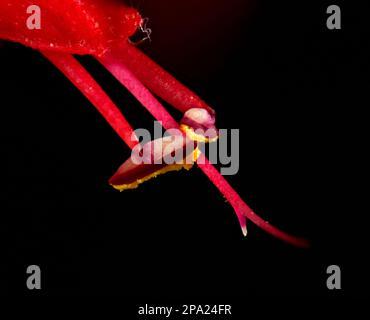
(272, 69)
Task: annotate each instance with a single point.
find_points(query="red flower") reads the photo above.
(101, 28)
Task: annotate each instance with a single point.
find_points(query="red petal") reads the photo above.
(82, 27)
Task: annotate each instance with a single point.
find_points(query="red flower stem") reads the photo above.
(71, 68)
(141, 93)
(242, 210)
(76, 73)
(156, 79)
(133, 84)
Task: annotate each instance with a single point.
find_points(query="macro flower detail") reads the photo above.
(102, 28)
(171, 153)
